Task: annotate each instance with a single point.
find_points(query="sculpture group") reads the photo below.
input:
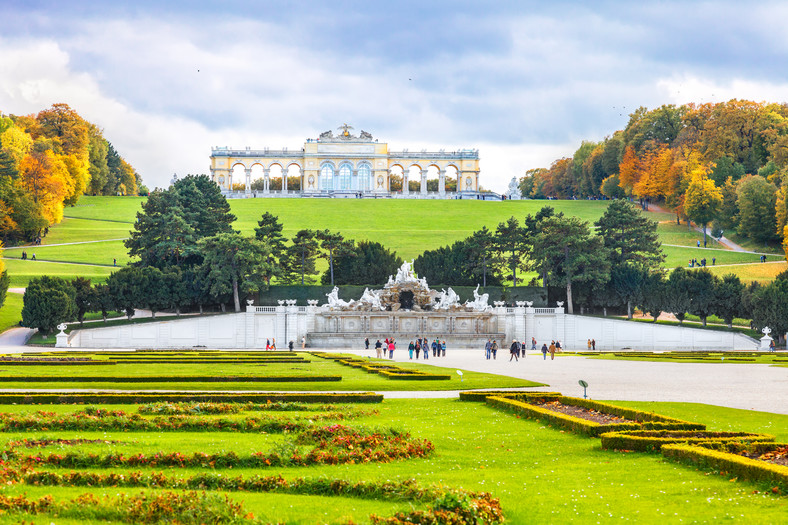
(389, 298)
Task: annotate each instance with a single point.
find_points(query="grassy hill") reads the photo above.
(99, 225)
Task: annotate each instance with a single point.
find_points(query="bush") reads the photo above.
(48, 301)
(651, 441)
(136, 398)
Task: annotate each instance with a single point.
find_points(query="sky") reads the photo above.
(524, 82)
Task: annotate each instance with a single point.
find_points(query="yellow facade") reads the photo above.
(343, 164)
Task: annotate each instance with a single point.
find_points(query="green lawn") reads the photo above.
(11, 312)
(540, 474)
(21, 272)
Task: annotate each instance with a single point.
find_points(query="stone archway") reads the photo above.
(406, 300)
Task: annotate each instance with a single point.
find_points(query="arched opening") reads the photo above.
(326, 181)
(414, 178)
(275, 173)
(451, 179)
(406, 300)
(432, 178)
(344, 177)
(238, 178)
(258, 177)
(293, 177)
(395, 178)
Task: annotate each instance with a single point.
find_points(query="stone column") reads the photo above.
(423, 182)
(560, 317)
(530, 327)
(405, 175)
(250, 325)
(248, 188)
(266, 179)
(281, 325)
(354, 177)
(301, 177)
(284, 180)
(442, 183)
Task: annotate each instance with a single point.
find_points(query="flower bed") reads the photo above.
(637, 419)
(168, 379)
(165, 408)
(134, 398)
(763, 463)
(653, 440)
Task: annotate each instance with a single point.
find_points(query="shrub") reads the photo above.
(653, 440)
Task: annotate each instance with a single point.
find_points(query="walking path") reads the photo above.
(26, 246)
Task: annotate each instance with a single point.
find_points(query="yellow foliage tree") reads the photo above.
(702, 200)
(45, 176)
(16, 143)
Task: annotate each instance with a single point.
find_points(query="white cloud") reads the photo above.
(689, 88)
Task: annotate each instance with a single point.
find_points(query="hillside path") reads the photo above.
(722, 240)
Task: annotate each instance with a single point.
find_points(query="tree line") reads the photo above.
(724, 164)
(47, 161)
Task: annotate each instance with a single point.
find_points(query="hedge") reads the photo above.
(206, 361)
(731, 465)
(170, 379)
(482, 395)
(590, 428)
(652, 441)
(385, 369)
(134, 398)
(55, 362)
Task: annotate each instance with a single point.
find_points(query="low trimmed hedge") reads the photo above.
(653, 440)
(187, 361)
(134, 398)
(591, 428)
(170, 379)
(387, 370)
(705, 457)
(54, 362)
(482, 395)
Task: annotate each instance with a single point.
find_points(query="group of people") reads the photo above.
(24, 256)
(702, 263)
(421, 346)
(555, 346)
(518, 348)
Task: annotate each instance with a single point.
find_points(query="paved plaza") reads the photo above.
(741, 385)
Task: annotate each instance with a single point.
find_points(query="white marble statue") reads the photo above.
(513, 192)
(371, 299)
(334, 301)
(479, 303)
(405, 273)
(447, 299)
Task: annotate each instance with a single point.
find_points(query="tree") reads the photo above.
(677, 300)
(269, 229)
(480, 247)
(47, 302)
(127, 289)
(566, 246)
(234, 263)
(702, 293)
(332, 244)
(654, 294)
(629, 236)
(154, 290)
(627, 281)
(756, 199)
(728, 298)
(702, 200)
(101, 300)
(770, 306)
(367, 262)
(83, 294)
(300, 258)
(204, 206)
(510, 242)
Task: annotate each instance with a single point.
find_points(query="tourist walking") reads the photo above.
(552, 350)
(513, 351)
(558, 346)
(303, 342)
(593, 344)
(443, 348)
(411, 349)
(378, 349)
(544, 351)
(392, 347)
(533, 343)
(488, 349)
(426, 349)
(418, 348)
(366, 343)
(267, 344)
(494, 349)
(434, 347)
(589, 344)
(290, 345)
(273, 345)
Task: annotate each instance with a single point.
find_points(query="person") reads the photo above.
(366, 343)
(513, 351)
(698, 244)
(552, 350)
(392, 346)
(434, 347)
(533, 343)
(114, 262)
(713, 261)
(33, 258)
(24, 255)
(494, 349)
(303, 342)
(273, 345)
(267, 344)
(418, 348)
(443, 348)
(518, 349)
(544, 351)
(558, 346)
(771, 346)
(593, 344)
(378, 347)
(426, 349)
(488, 348)
(589, 344)
(290, 345)
(411, 349)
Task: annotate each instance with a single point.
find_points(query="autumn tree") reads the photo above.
(702, 201)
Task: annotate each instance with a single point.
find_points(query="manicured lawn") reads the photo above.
(22, 271)
(96, 253)
(757, 271)
(11, 311)
(540, 474)
(712, 358)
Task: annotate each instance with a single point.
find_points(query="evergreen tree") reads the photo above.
(269, 229)
(677, 300)
(332, 244)
(480, 248)
(627, 281)
(630, 236)
(510, 245)
(299, 264)
(83, 294)
(234, 264)
(47, 302)
(368, 263)
(728, 298)
(654, 294)
(702, 293)
(566, 247)
(127, 289)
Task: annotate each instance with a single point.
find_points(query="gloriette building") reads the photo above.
(343, 165)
